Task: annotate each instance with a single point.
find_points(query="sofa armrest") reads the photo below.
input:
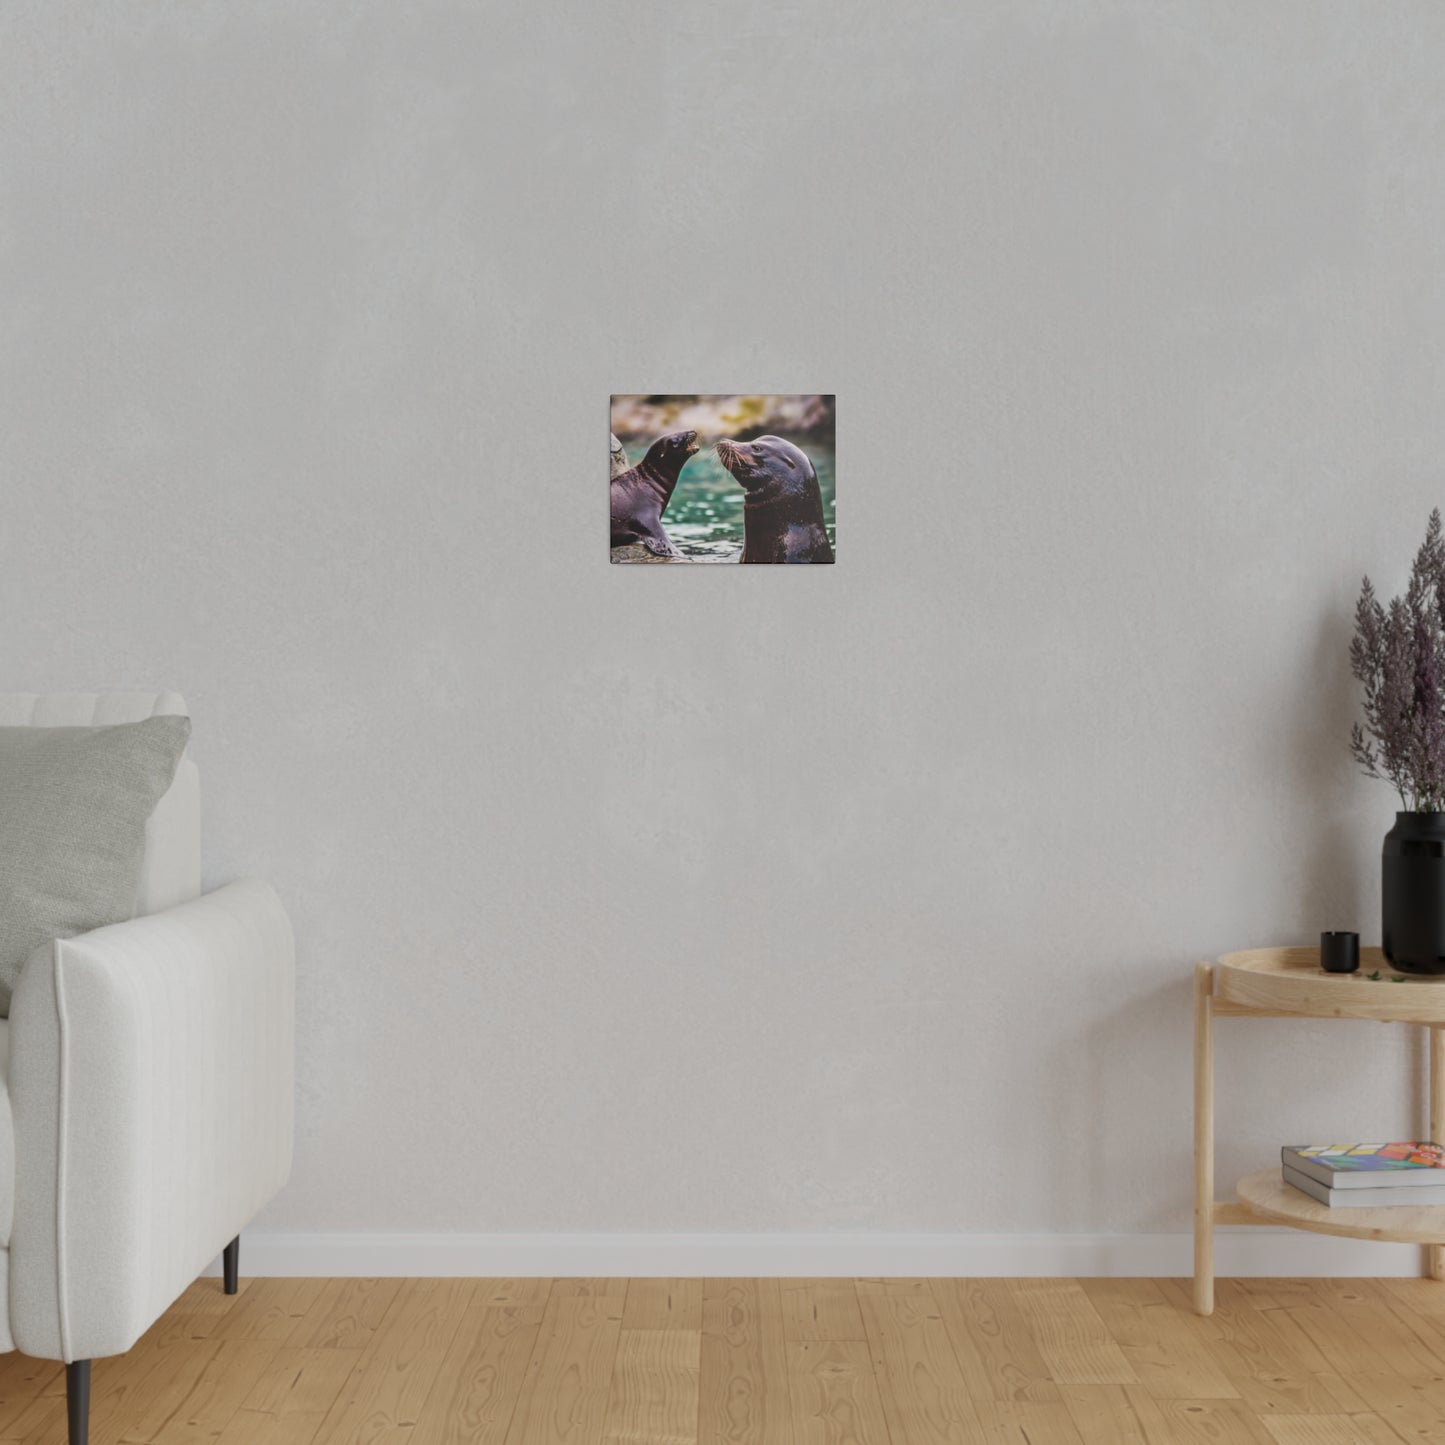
(151, 1081)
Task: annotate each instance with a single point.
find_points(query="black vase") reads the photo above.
(1414, 893)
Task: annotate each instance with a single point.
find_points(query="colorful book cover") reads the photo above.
(1366, 1158)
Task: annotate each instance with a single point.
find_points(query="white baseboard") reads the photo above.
(1248, 1252)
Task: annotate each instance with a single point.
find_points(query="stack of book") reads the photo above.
(1367, 1176)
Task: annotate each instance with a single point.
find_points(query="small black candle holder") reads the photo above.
(1340, 952)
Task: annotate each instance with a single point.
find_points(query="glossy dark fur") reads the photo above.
(640, 497)
(783, 505)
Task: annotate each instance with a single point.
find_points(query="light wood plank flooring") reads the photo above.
(765, 1362)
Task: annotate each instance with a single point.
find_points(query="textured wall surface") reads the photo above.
(674, 898)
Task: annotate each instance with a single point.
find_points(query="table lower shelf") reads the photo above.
(1268, 1197)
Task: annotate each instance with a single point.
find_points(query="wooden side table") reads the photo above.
(1265, 983)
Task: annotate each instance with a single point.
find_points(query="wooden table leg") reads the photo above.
(1435, 1253)
(1204, 1138)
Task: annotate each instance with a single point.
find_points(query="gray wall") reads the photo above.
(672, 898)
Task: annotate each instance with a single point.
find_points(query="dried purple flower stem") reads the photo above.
(1398, 654)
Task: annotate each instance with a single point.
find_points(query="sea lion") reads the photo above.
(782, 505)
(640, 496)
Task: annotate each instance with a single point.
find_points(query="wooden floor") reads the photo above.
(765, 1362)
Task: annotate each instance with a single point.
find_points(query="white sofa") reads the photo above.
(148, 1079)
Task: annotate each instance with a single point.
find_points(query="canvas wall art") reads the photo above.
(733, 477)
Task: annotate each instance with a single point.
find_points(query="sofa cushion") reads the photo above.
(74, 802)
(171, 872)
(7, 1140)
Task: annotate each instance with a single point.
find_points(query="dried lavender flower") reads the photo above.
(1398, 655)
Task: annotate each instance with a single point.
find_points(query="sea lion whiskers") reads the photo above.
(733, 457)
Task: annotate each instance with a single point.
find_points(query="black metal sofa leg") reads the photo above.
(77, 1401)
(231, 1264)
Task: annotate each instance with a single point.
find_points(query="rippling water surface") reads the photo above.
(705, 516)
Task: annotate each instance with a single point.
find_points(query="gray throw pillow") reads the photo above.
(73, 809)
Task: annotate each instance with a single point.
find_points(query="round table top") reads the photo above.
(1291, 981)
